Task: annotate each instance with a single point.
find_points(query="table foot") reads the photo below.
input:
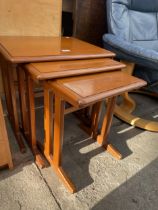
(65, 179)
(39, 160)
(10, 166)
(114, 152)
(63, 176)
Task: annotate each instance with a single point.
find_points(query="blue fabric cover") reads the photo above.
(133, 33)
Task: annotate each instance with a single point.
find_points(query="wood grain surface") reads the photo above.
(84, 90)
(30, 18)
(28, 48)
(51, 70)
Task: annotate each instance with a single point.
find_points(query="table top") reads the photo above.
(57, 69)
(83, 90)
(35, 49)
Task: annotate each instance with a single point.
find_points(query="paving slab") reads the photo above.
(102, 181)
(24, 188)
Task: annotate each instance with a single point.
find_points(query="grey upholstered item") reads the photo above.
(133, 35)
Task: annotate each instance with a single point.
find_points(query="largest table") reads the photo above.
(18, 50)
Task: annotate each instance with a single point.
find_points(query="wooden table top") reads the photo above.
(35, 49)
(83, 90)
(57, 69)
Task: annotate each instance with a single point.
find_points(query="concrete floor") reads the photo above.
(102, 181)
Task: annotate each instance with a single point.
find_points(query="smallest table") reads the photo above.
(80, 92)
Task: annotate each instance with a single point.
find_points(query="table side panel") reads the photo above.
(5, 155)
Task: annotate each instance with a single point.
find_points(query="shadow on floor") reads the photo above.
(76, 159)
(139, 192)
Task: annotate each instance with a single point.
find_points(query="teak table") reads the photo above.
(40, 72)
(80, 92)
(18, 50)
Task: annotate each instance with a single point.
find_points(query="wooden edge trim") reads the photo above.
(29, 59)
(80, 102)
(35, 73)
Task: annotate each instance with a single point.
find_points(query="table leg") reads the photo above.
(90, 123)
(6, 89)
(23, 103)
(95, 116)
(31, 107)
(11, 100)
(58, 140)
(102, 138)
(48, 122)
